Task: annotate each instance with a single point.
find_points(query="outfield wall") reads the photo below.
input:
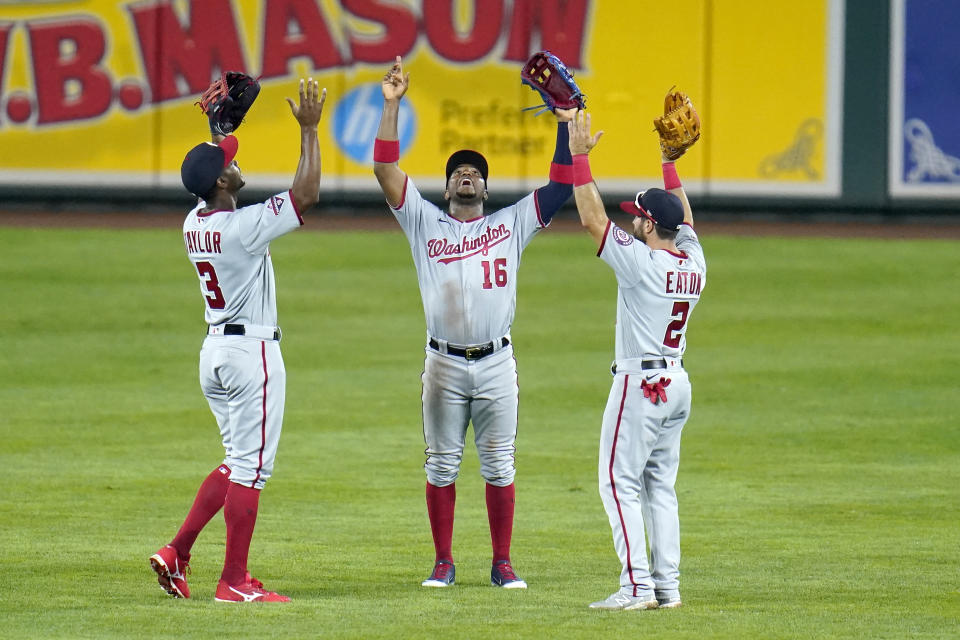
(815, 104)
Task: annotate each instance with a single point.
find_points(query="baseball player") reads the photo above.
(660, 273)
(241, 369)
(466, 264)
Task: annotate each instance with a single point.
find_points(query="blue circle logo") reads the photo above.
(357, 117)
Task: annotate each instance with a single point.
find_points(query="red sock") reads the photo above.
(500, 501)
(210, 497)
(240, 513)
(440, 507)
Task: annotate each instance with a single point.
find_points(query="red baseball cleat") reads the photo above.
(251, 590)
(171, 571)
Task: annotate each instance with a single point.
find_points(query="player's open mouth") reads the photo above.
(466, 182)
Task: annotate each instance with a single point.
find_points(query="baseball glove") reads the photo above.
(679, 126)
(549, 77)
(227, 101)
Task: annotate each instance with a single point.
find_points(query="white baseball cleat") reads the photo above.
(620, 601)
(669, 602)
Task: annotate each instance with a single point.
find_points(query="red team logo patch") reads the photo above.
(276, 204)
(622, 237)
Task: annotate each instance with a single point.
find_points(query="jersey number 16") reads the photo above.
(499, 273)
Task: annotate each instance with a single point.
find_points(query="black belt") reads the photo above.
(470, 353)
(647, 365)
(655, 364)
(240, 330)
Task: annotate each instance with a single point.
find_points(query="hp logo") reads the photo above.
(356, 118)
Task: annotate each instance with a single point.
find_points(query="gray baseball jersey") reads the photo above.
(230, 251)
(657, 292)
(640, 440)
(467, 271)
(241, 370)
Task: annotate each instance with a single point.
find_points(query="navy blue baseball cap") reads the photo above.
(467, 156)
(663, 208)
(204, 164)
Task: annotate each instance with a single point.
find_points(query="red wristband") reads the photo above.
(581, 170)
(670, 178)
(562, 173)
(386, 150)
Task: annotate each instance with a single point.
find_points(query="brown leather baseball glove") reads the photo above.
(679, 126)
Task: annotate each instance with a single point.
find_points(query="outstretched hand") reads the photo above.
(310, 109)
(395, 82)
(581, 141)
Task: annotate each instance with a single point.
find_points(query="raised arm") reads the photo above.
(589, 204)
(386, 150)
(551, 197)
(671, 183)
(306, 182)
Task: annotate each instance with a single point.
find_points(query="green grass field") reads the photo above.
(818, 485)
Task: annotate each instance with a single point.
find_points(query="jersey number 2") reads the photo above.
(499, 273)
(675, 329)
(215, 299)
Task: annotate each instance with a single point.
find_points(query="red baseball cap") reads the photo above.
(205, 162)
(659, 206)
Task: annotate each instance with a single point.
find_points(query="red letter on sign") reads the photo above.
(442, 33)
(399, 31)
(308, 37)
(210, 43)
(66, 58)
(561, 24)
(4, 30)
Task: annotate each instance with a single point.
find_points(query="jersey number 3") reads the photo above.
(675, 329)
(215, 299)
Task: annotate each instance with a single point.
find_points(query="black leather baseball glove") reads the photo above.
(227, 101)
